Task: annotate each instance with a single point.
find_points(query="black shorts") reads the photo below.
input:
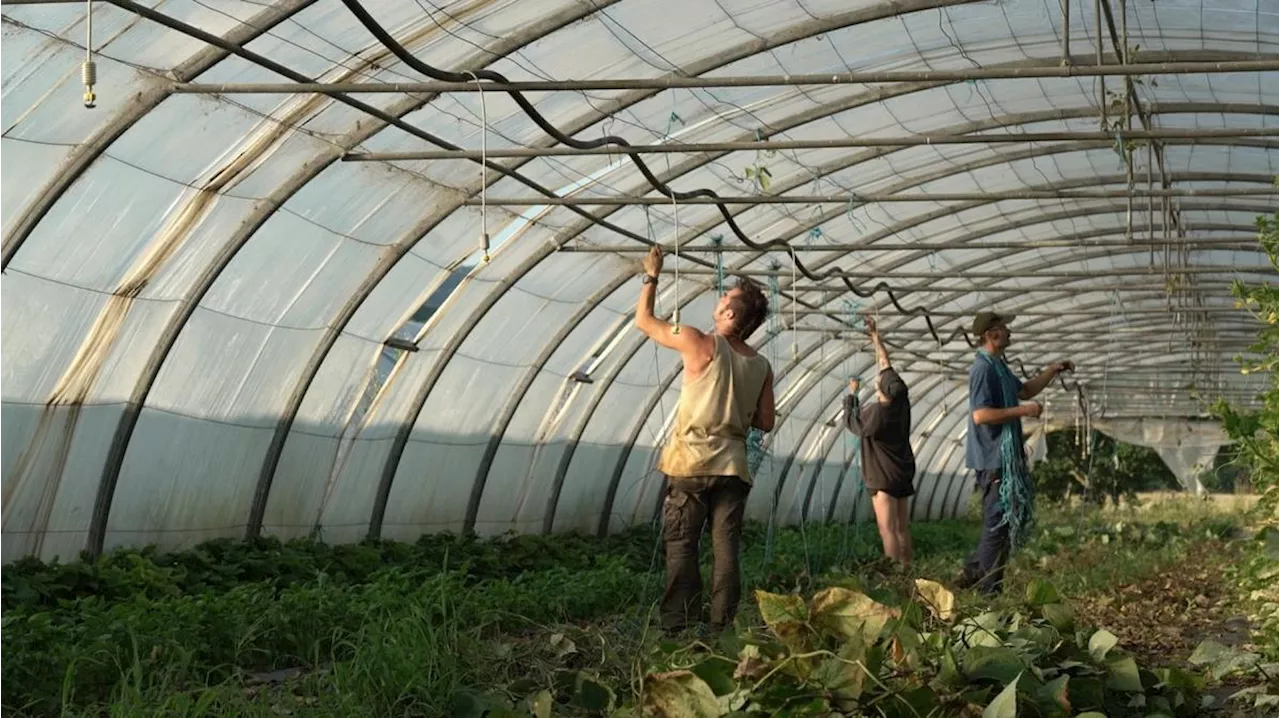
(897, 492)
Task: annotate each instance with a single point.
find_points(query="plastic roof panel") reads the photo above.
(211, 258)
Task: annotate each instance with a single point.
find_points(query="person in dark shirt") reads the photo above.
(888, 464)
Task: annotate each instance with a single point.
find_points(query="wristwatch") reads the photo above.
(649, 279)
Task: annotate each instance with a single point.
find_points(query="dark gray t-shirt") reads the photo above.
(888, 464)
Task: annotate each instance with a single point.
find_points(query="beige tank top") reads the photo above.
(714, 415)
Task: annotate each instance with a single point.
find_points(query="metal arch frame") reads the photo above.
(126, 440)
(726, 57)
(935, 443)
(644, 418)
(563, 468)
(509, 411)
(384, 490)
(86, 153)
(455, 342)
(662, 389)
(248, 229)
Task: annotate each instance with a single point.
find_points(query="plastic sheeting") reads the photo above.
(1188, 448)
(199, 292)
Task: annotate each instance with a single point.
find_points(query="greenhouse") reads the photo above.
(364, 273)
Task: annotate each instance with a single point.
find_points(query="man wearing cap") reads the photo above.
(994, 450)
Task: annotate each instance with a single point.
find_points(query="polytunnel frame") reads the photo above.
(249, 226)
(123, 4)
(662, 388)
(509, 410)
(698, 232)
(638, 344)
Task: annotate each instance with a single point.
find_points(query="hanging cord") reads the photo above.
(675, 218)
(89, 70)
(795, 310)
(717, 240)
(484, 170)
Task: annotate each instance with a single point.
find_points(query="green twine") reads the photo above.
(1017, 494)
(855, 319)
(755, 450)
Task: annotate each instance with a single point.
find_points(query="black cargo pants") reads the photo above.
(690, 502)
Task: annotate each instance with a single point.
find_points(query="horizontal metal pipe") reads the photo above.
(1245, 241)
(857, 198)
(1101, 312)
(1055, 288)
(665, 82)
(811, 144)
(892, 274)
(1112, 333)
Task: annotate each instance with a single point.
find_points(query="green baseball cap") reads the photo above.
(989, 320)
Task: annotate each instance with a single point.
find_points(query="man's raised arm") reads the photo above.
(680, 337)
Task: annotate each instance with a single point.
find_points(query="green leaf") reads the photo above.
(1222, 660)
(1005, 705)
(1041, 592)
(1059, 615)
(1091, 714)
(1100, 643)
(717, 673)
(937, 598)
(786, 616)
(679, 694)
(1054, 696)
(849, 614)
(840, 678)
(1124, 675)
(592, 695)
(995, 663)
(540, 704)
(949, 673)
(1087, 693)
(1179, 679)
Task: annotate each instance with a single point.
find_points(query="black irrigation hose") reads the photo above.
(434, 73)
(445, 76)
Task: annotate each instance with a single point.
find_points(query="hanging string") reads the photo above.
(89, 70)
(858, 227)
(795, 309)
(717, 240)
(757, 452)
(484, 170)
(675, 218)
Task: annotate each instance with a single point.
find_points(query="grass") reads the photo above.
(436, 627)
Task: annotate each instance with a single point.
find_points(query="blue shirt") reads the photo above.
(982, 448)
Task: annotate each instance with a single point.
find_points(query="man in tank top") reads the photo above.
(727, 390)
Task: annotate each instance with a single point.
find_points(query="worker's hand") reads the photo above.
(1065, 365)
(853, 386)
(1032, 410)
(653, 261)
(871, 325)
